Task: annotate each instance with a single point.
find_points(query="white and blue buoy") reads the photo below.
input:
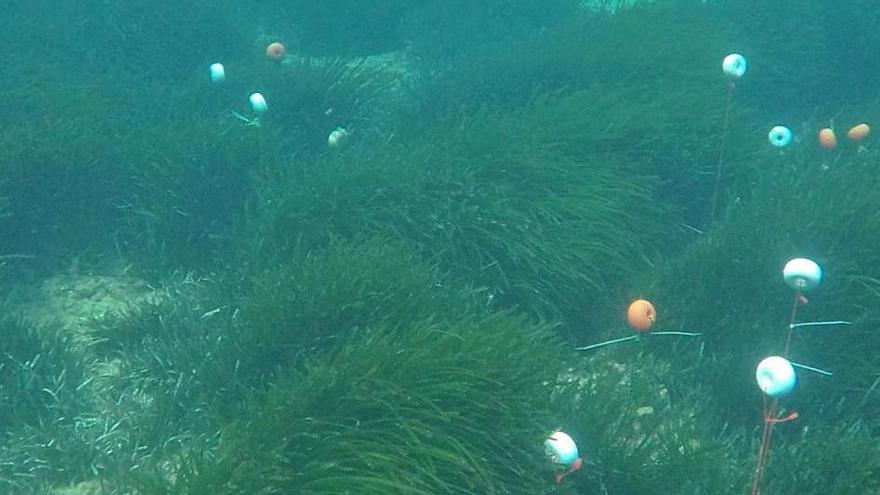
(561, 449)
(802, 274)
(336, 137)
(258, 103)
(734, 66)
(776, 376)
(217, 72)
(780, 136)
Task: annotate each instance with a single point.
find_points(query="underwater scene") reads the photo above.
(427, 247)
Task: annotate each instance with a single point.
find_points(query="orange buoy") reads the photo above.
(858, 132)
(641, 315)
(827, 139)
(275, 51)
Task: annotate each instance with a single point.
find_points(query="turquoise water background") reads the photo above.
(377, 283)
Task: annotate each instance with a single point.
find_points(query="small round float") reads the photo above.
(641, 315)
(802, 274)
(859, 132)
(734, 66)
(275, 51)
(780, 136)
(258, 102)
(217, 72)
(827, 139)
(776, 376)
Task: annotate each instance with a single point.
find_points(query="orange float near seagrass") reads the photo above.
(641, 315)
(827, 139)
(275, 51)
(858, 132)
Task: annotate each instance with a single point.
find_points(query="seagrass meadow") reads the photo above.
(377, 284)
